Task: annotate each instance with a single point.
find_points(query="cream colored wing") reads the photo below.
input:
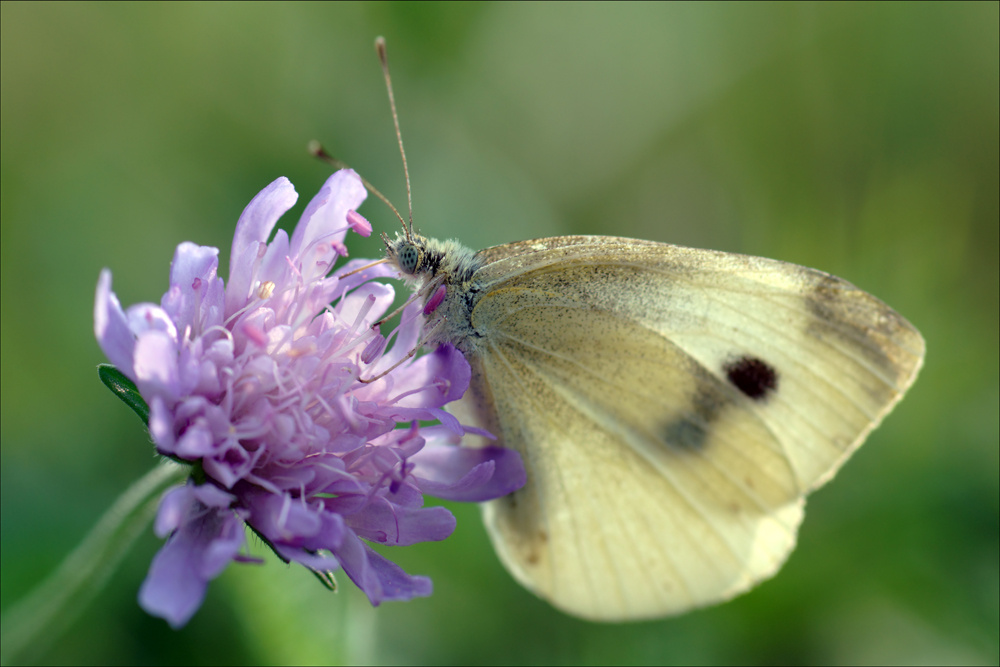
(673, 407)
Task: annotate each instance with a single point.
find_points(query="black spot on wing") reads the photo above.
(689, 432)
(686, 434)
(754, 377)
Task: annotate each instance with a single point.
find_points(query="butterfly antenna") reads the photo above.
(380, 50)
(362, 268)
(316, 150)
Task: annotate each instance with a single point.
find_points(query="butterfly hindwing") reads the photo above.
(613, 489)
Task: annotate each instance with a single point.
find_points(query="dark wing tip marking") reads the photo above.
(869, 332)
(754, 377)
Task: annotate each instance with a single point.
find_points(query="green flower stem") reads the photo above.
(36, 620)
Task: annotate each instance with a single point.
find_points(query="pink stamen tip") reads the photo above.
(255, 334)
(435, 300)
(374, 349)
(358, 223)
(339, 248)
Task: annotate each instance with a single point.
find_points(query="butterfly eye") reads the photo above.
(409, 259)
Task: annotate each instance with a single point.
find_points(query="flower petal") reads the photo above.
(385, 523)
(197, 552)
(156, 370)
(324, 223)
(253, 228)
(467, 474)
(111, 327)
(379, 578)
(365, 305)
(144, 317)
(443, 376)
(192, 270)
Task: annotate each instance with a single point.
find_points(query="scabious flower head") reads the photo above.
(257, 382)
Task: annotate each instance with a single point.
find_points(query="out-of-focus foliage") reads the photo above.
(861, 139)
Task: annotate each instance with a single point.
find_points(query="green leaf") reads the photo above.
(124, 389)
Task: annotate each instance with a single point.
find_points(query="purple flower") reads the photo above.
(257, 382)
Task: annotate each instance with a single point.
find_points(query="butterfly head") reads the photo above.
(410, 254)
(424, 260)
(441, 275)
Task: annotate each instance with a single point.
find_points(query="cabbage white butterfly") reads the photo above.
(673, 406)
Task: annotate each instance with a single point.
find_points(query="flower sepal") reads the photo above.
(122, 387)
(325, 577)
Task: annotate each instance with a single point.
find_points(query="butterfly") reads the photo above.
(672, 406)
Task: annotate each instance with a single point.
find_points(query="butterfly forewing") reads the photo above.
(672, 407)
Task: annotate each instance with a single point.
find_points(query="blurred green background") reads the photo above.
(861, 139)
